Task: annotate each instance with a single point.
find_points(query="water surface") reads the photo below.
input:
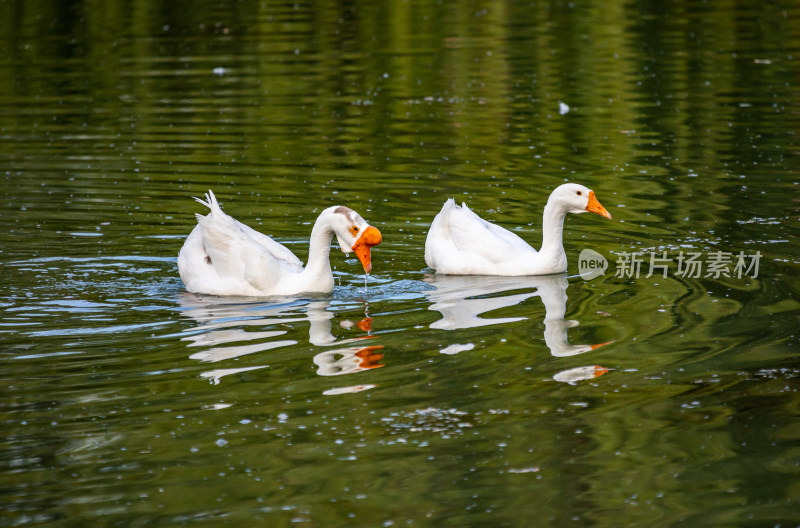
(411, 399)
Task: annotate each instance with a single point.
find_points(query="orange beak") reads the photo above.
(370, 237)
(594, 206)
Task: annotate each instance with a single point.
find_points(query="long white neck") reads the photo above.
(554, 297)
(318, 269)
(552, 232)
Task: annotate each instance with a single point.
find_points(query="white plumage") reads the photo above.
(223, 256)
(460, 242)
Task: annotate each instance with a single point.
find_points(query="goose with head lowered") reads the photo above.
(460, 242)
(222, 256)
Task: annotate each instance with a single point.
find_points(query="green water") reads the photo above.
(414, 399)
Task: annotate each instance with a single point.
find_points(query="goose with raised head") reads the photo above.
(460, 242)
(223, 256)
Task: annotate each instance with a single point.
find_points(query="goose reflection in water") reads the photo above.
(462, 299)
(220, 325)
(348, 360)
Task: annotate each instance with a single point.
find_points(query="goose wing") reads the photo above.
(472, 233)
(222, 255)
(461, 242)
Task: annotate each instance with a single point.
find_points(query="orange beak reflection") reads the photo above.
(368, 357)
(594, 206)
(370, 237)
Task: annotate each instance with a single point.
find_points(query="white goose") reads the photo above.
(222, 256)
(462, 243)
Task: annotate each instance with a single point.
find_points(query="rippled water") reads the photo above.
(411, 398)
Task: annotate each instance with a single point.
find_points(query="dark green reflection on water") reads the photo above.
(413, 400)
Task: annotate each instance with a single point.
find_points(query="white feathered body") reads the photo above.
(223, 256)
(460, 242)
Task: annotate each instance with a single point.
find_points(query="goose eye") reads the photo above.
(354, 230)
(579, 192)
